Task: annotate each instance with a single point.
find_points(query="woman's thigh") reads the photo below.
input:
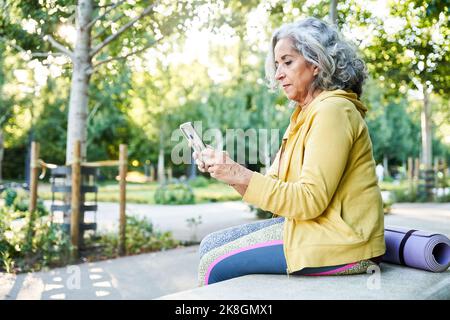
(256, 248)
(221, 237)
(250, 252)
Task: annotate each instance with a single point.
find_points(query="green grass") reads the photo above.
(144, 193)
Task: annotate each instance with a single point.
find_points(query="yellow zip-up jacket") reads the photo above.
(323, 182)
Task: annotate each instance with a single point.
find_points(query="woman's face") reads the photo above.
(293, 72)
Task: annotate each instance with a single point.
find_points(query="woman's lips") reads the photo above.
(285, 86)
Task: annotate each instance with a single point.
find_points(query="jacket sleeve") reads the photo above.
(327, 146)
(273, 169)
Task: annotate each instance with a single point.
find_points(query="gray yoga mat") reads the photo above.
(417, 249)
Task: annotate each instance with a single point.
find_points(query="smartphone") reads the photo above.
(191, 135)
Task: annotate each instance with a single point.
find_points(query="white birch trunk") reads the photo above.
(333, 11)
(161, 171)
(78, 103)
(161, 174)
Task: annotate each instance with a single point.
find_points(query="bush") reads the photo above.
(30, 242)
(9, 195)
(199, 182)
(174, 193)
(140, 237)
(443, 198)
(18, 200)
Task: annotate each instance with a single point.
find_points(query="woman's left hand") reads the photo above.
(223, 168)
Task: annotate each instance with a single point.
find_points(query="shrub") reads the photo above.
(9, 195)
(140, 237)
(18, 200)
(199, 182)
(443, 198)
(30, 242)
(174, 193)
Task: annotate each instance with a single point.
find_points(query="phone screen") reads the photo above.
(191, 134)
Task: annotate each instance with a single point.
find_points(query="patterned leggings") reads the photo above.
(256, 248)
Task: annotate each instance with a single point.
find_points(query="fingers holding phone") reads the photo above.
(202, 167)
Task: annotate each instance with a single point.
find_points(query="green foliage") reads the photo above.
(174, 193)
(50, 128)
(140, 237)
(392, 129)
(199, 182)
(141, 101)
(413, 52)
(9, 195)
(19, 200)
(29, 243)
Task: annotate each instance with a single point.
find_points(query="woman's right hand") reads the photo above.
(198, 161)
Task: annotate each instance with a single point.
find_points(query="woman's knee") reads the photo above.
(221, 237)
(208, 242)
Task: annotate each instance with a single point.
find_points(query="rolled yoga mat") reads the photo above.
(417, 249)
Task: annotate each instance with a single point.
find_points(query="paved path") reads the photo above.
(155, 275)
(214, 216)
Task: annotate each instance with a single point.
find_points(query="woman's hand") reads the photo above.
(198, 160)
(221, 167)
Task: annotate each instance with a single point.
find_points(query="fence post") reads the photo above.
(123, 166)
(34, 170)
(75, 199)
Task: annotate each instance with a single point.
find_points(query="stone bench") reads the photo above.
(394, 282)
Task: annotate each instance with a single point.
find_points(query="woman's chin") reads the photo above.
(291, 97)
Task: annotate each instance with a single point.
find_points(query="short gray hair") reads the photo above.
(321, 45)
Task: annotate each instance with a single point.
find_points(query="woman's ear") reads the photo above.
(316, 70)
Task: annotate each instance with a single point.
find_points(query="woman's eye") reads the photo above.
(288, 62)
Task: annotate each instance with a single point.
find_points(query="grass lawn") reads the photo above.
(144, 192)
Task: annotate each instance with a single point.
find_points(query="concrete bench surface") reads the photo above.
(393, 282)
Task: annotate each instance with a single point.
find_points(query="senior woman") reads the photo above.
(322, 187)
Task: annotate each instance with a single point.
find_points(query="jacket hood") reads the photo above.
(352, 97)
(296, 123)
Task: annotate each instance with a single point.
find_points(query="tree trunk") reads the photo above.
(1, 153)
(78, 104)
(427, 152)
(161, 174)
(333, 12)
(385, 165)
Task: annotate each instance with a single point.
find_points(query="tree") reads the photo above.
(99, 27)
(412, 51)
(333, 12)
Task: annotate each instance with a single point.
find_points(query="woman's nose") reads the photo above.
(279, 75)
